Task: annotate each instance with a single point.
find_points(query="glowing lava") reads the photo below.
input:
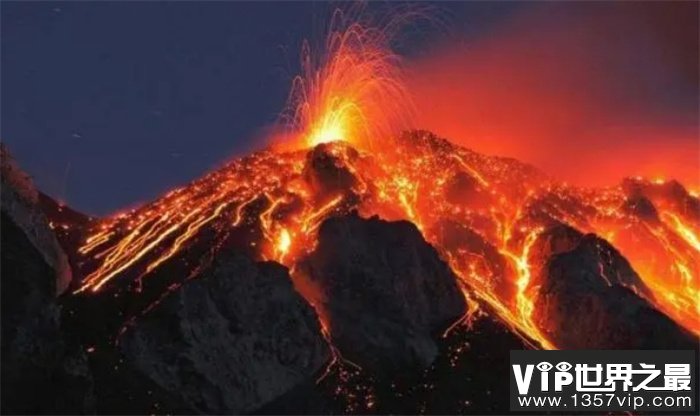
(353, 93)
(353, 90)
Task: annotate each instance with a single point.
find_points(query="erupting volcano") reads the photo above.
(441, 188)
(347, 108)
(522, 250)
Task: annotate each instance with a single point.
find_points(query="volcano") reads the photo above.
(337, 279)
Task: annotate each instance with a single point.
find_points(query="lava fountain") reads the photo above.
(350, 89)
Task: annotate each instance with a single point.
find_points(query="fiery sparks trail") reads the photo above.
(483, 214)
(352, 90)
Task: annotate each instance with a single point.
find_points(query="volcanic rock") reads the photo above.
(382, 290)
(70, 227)
(557, 239)
(474, 249)
(589, 297)
(326, 170)
(465, 189)
(42, 372)
(641, 207)
(541, 209)
(671, 193)
(229, 341)
(465, 378)
(20, 202)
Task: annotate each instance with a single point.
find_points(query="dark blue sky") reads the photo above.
(109, 104)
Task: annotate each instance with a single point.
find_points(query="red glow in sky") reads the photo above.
(589, 97)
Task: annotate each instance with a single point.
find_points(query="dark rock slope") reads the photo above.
(21, 203)
(590, 297)
(382, 289)
(42, 370)
(228, 341)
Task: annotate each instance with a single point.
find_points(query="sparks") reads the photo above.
(353, 91)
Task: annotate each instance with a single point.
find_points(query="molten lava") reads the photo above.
(420, 178)
(352, 90)
(482, 213)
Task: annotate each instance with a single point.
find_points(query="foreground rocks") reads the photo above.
(228, 341)
(591, 298)
(43, 371)
(21, 203)
(465, 378)
(382, 290)
(211, 331)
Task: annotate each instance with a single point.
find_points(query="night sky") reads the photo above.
(109, 104)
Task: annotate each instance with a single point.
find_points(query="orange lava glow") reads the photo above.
(350, 91)
(352, 102)
(570, 103)
(413, 180)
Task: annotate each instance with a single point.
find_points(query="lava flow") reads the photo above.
(482, 213)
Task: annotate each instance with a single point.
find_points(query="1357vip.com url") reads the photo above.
(655, 381)
(609, 400)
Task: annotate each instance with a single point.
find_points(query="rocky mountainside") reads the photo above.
(335, 280)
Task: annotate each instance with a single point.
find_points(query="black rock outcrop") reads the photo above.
(475, 250)
(42, 370)
(382, 290)
(590, 297)
(670, 193)
(228, 341)
(21, 203)
(326, 171)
